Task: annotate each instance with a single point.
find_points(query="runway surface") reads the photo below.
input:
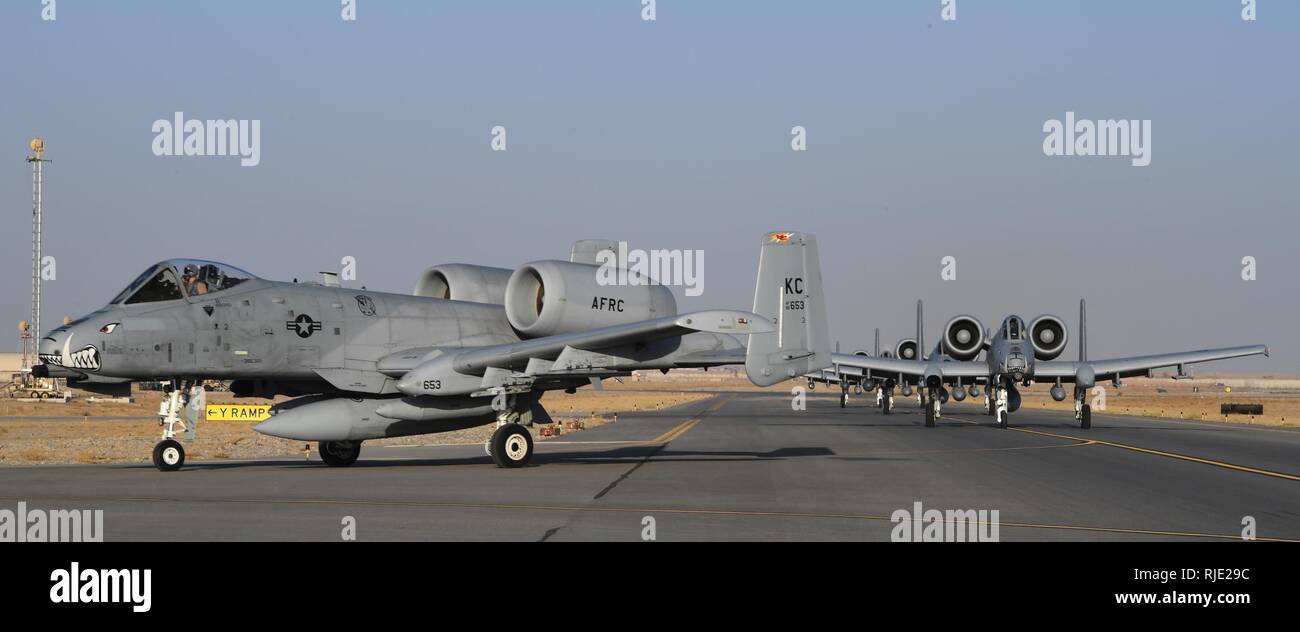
(741, 466)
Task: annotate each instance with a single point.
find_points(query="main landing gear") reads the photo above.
(885, 398)
(169, 454)
(511, 444)
(844, 394)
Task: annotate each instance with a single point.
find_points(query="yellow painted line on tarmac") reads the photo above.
(685, 427)
(1169, 455)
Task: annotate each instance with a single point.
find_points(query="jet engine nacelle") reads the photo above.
(963, 337)
(465, 282)
(906, 349)
(545, 298)
(1048, 335)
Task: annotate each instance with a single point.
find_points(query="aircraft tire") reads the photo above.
(844, 399)
(1086, 422)
(884, 406)
(1002, 419)
(339, 453)
(168, 455)
(512, 446)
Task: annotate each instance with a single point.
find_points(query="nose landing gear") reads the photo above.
(169, 454)
(1082, 411)
(1000, 406)
(932, 405)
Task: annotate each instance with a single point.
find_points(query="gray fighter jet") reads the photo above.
(1014, 354)
(472, 346)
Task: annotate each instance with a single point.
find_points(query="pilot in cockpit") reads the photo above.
(193, 286)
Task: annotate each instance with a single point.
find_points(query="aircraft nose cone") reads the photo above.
(50, 346)
(272, 427)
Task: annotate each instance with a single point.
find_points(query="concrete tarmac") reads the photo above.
(741, 466)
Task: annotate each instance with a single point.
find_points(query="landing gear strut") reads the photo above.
(1000, 406)
(886, 398)
(844, 395)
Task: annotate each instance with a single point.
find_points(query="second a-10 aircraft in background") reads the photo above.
(1015, 354)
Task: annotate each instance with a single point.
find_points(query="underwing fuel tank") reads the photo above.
(332, 418)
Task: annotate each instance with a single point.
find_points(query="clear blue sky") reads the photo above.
(924, 140)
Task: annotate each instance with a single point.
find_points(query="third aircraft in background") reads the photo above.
(1015, 353)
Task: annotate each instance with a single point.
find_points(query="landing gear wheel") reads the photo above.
(844, 399)
(929, 413)
(1085, 420)
(885, 405)
(512, 446)
(168, 455)
(1002, 418)
(339, 453)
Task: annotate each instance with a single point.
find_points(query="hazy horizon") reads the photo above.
(924, 141)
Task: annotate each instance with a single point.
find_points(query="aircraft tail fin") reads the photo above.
(587, 250)
(920, 332)
(1083, 330)
(789, 293)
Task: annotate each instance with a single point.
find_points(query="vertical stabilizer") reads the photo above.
(789, 293)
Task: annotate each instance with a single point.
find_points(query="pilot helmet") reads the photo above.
(191, 270)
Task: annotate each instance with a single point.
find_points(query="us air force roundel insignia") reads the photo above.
(303, 325)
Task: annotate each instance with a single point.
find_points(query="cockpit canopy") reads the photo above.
(1013, 328)
(180, 278)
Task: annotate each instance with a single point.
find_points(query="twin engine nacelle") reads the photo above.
(907, 349)
(963, 337)
(465, 282)
(1048, 335)
(545, 298)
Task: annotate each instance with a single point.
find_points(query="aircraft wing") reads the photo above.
(575, 354)
(899, 366)
(1137, 366)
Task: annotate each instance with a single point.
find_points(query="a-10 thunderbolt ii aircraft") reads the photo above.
(474, 344)
(1014, 354)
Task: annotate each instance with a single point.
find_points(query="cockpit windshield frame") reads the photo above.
(1013, 328)
(198, 277)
